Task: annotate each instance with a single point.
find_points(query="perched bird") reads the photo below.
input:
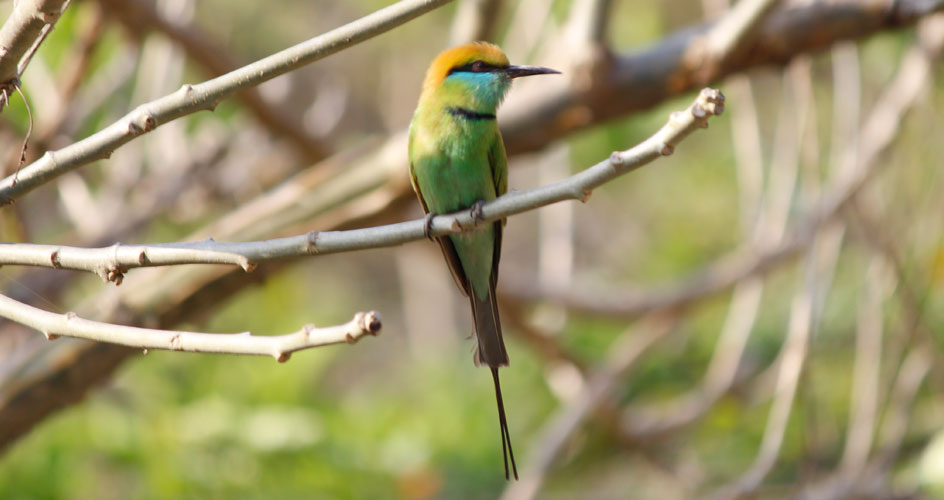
(457, 161)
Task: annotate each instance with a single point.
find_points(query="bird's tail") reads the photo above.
(491, 352)
(491, 347)
(503, 423)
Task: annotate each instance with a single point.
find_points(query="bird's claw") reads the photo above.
(428, 227)
(476, 212)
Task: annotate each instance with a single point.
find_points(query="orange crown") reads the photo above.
(458, 56)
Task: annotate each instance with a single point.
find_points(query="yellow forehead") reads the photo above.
(458, 56)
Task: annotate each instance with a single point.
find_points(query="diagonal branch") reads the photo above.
(111, 262)
(141, 16)
(640, 80)
(20, 33)
(205, 96)
(278, 346)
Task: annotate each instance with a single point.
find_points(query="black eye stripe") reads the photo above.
(475, 67)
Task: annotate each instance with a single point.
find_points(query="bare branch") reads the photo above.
(112, 262)
(142, 16)
(204, 96)
(278, 346)
(640, 80)
(21, 32)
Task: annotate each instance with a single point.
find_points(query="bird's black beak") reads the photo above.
(517, 71)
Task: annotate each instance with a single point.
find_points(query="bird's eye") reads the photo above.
(478, 66)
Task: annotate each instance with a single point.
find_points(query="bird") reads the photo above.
(458, 162)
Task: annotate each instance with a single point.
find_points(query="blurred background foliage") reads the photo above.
(406, 415)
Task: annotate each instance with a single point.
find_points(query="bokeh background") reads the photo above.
(815, 372)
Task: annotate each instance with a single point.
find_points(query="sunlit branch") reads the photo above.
(278, 346)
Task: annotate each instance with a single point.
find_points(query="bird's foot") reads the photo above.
(428, 227)
(476, 212)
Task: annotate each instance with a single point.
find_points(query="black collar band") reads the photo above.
(469, 114)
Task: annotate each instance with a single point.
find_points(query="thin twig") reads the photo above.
(29, 131)
(112, 262)
(205, 96)
(54, 325)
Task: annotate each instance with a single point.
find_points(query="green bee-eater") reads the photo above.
(457, 160)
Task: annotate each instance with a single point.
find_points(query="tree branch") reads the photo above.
(112, 262)
(641, 80)
(141, 17)
(278, 346)
(204, 96)
(20, 32)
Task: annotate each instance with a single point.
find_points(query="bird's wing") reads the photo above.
(498, 161)
(445, 244)
(455, 265)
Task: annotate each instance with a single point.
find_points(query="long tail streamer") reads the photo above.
(506, 436)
